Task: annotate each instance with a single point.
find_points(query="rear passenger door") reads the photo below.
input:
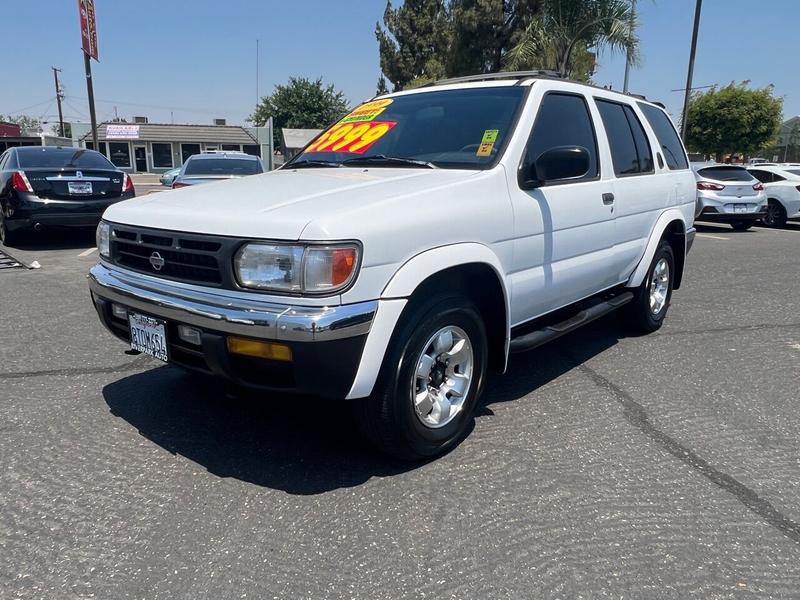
(564, 230)
(639, 195)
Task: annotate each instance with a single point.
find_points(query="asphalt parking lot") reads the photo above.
(601, 466)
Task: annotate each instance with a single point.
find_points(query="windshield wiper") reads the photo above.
(309, 164)
(395, 161)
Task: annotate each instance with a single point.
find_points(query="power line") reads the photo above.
(19, 110)
(161, 106)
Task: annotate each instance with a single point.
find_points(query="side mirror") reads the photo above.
(556, 164)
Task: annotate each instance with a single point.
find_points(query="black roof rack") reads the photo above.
(541, 74)
(536, 74)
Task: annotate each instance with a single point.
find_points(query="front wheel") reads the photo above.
(741, 225)
(433, 374)
(646, 312)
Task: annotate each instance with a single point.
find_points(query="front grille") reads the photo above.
(179, 256)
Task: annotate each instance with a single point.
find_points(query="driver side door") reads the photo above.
(564, 229)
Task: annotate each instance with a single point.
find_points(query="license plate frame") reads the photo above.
(148, 336)
(80, 188)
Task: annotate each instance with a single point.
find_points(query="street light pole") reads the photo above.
(690, 74)
(90, 92)
(628, 56)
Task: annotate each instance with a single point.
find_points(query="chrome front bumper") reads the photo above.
(228, 313)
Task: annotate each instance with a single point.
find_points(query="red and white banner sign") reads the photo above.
(88, 27)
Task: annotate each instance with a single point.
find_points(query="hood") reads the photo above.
(275, 205)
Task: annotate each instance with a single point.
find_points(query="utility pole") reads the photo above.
(690, 74)
(629, 55)
(59, 98)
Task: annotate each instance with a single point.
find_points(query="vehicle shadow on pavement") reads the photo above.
(58, 239)
(528, 371)
(302, 445)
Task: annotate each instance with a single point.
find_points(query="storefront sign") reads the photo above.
(122, 132)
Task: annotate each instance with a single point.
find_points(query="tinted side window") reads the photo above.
(762, 176)
(620, 138)
(563, 120)
(640, 138)
(3, 158)
(776, 177)
(667, 136)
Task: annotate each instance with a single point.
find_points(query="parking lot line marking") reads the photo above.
(87, 252)
(713, 237)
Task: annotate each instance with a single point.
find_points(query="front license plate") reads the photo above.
(148, 335)
(79, 187)
(740, 208)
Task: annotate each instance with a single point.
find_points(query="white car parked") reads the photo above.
(410, 248)
(782, 185)
(729, 194)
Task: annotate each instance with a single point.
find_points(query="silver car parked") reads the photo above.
(214, 166)
(729, 194)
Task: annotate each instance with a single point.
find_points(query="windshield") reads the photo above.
(66, 158)
(222, 166)
(465, 128)
(726, 173)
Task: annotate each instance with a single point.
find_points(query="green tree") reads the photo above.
(302, 104)
(415, 41)
(27, 123)
(382, 87)
(563, 32)
(732, 119)
(484, 30)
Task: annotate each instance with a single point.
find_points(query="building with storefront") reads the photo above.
(156, 147)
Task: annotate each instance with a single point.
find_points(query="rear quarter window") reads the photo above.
(671, 145)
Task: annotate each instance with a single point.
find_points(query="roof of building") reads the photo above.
(298, 138)
(168, 132)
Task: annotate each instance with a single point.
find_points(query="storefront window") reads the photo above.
(253, 149)
(103, 150)
(188, 150)
(231, 147)
(162, 156)
(120, 154)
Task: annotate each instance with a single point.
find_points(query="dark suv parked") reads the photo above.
(43, 186)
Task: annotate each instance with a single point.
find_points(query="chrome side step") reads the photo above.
(596, 309)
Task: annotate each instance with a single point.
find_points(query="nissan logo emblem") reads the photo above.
(157, 261)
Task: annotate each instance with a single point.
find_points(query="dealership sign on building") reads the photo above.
(122, 132)
(88, 28)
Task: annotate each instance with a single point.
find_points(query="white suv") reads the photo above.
(409, 249)
(782, 185)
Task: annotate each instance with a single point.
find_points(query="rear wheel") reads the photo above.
(741, 225)
(432, 376)
(7, 238)
(775, 215)
(646, 312)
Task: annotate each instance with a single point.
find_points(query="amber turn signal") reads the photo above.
(259, 349)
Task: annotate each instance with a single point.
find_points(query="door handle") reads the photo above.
(608, 198)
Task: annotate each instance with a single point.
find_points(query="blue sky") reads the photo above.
(193, 60)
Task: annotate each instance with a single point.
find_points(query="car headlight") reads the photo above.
(103, 239)
(297, 268)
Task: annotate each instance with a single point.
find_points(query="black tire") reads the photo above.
(638, 315)
(741, 225)
(775, 215)
(8, 238)
(388, 418)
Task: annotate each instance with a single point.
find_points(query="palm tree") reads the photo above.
(564, 28)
